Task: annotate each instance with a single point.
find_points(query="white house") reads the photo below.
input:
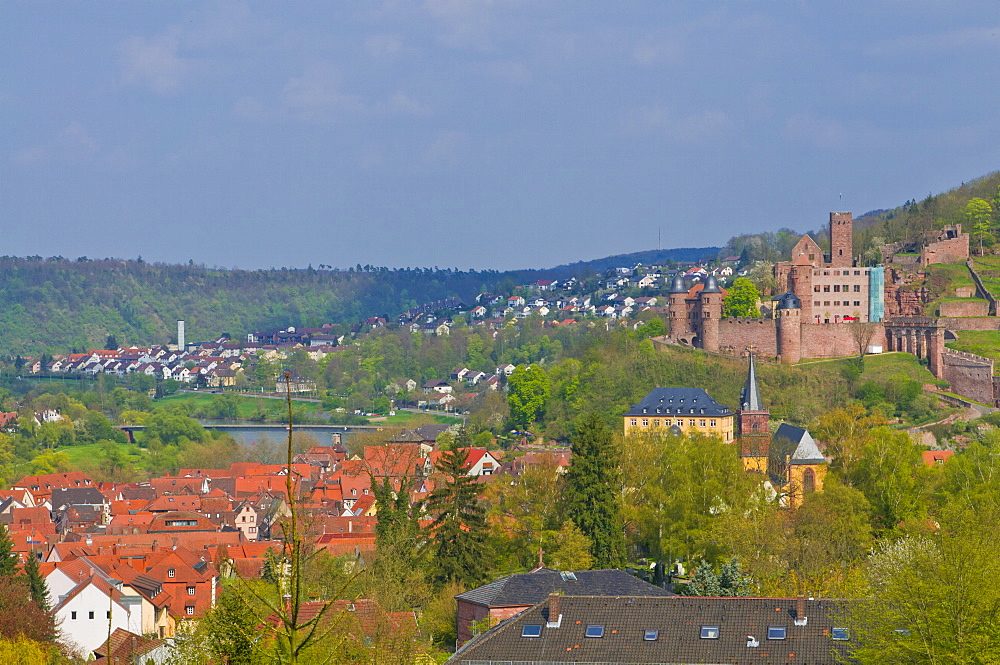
(85, 612)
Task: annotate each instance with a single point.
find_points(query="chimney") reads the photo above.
(800, 611)
(555, 616)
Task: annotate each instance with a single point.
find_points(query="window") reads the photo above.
(816, 289)
(841, 634)
(709, 632)
(170, 572)
(531, 630)
(634, 421)
(711, 423)
(691, 423)
(812, 257)
(846, 288)
(836, 288)
(90, 615)
(857, 303)
(189, 610)
(701, 423)
(857, 272)
(826, 288)
(651, 635)
(190, 590)
(108, 614)
(595, 631)
(72, 615)
(826, 303)
(836, 303)
(775, 632)
(815, 303)
(668, 422)
(857, 288)
(645, 422)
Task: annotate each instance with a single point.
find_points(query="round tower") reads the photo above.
(710, 305)
(679, 324)
(789, 315)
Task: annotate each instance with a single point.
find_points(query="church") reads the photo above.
(789, 459)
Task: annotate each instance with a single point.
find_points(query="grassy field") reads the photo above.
(404, 418)
(880, 367)
(942, 280)
(988, 268)
(86, 455)
(984, 343)
(247, 407)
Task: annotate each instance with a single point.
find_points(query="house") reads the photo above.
(511, 595)
(129, 648)
(437, 386)
(515, 301)
(478, 312)
(634, 630)
(680, 411)
(505, 370)
(86, 611)
(472, 377)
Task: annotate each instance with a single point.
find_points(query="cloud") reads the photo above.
(383, 47)
(73, 144)
(317, 95)
(153, 63)
(953, 40)
(658, 120)
(446, 148)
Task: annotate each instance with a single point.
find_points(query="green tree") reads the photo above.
(572, 549)
(978, 214)
(36, 583)
(592, 492)
(459, 530)
(741, 299)
(887, 474)
(8, 558)
(527, 394)
(728, 580)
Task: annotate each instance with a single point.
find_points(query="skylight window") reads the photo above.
(567, 575)
(776, 632)
(651, 635)
(531, 630)
(709, 632)
(595, 631)
(840, 634)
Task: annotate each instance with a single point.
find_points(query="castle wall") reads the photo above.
(969, 375)
(954, 250)
(967, 308)
(739, 333)
(833, 340)
(985, 323)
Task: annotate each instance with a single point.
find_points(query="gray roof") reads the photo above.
(678, 622)
(684, 401)
(797, 443)
(524, 589)
(750, 397)
(711, 285)
(77, 496)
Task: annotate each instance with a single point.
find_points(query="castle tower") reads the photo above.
(752, 424)
(710, 305)
(841, 240)
(679, 323)
(789, 315)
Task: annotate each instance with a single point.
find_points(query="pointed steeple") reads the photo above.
(750, 397)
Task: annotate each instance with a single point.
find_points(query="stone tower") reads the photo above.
(789, 315)
(752, 424)
(710, 306)
(841, 240)
(679, 323)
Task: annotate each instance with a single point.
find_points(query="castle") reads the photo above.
(824, 295)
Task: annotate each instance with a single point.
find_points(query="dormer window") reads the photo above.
(171, 572)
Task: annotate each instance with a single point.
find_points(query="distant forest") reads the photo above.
(56, 304)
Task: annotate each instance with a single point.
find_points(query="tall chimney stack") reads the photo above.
(800, 611)
(555, 616)
(180, 336)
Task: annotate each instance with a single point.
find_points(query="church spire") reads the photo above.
(750, 397)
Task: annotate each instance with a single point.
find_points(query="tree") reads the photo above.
(932, 598)
(741, 299)
(572, 549)
(729, 580)
(527, 394)
(8, 558)
(592, 492)
(20, 615)
(978, 214)
(111, 342)
(459, 530)
(37, 587)
(862, 334)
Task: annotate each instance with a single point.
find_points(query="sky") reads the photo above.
(476, 134)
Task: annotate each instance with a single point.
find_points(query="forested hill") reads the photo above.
(56, 304)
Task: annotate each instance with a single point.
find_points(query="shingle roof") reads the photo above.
(797, 443)
(678, 622)
(530, 588)
(750, 397)
(679, 400)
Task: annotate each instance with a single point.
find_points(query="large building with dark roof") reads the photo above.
(644, 630)
(513, 594)
(680, 410)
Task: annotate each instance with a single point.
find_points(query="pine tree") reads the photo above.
(592, 499)
(36, 583)
(8, 558)
(459, 529)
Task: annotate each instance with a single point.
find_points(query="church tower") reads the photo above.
(752, 424)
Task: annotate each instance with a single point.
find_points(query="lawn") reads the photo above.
(984, 343)
(88, 454)
(247, 406)
(882, 366)
(404, 418)
(988, 268)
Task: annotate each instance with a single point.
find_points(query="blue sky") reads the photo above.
(484, 134)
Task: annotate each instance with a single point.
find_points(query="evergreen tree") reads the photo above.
(591, 496)
(8, 558)
(728, 581)
(459, 529)
(36, 583)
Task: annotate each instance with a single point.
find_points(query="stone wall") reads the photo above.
(964, 308)
(982, 323)
(969, 375)
(901, 301)
(736, 334)
(833, 340)
(954, 250)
